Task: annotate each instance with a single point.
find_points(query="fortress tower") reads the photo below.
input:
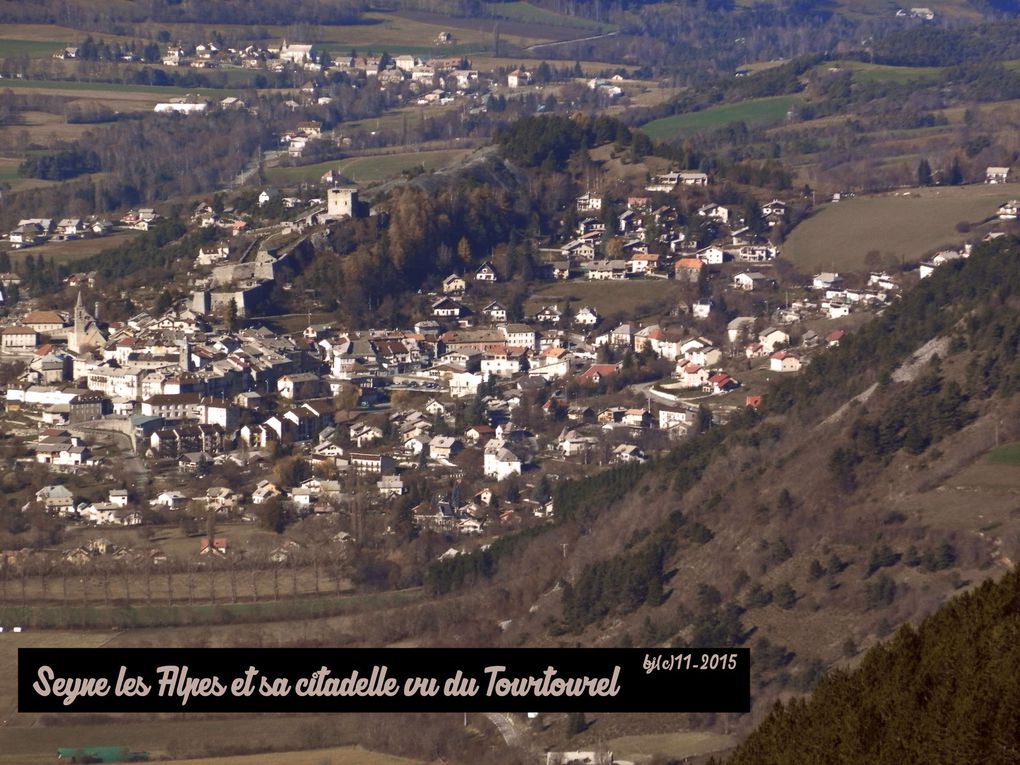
(342, 202)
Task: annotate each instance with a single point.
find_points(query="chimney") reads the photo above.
(95, 314)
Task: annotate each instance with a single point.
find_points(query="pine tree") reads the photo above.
(464, 251)
(923, 173)
(955, 175)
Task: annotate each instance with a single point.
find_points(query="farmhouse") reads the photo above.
(997, 175)
(1008, 210)
(608, 270)
(25, 235)
(669, 181)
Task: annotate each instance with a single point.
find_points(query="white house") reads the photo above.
(771, 338)
(707, 356)
(500, 461)
(444, 447)
(486, 273)
(692, 375)
(608, 270)
(518, 78)
(826, 281)
(551, 363)
(520, 335)
(56, 498)
(503, 364)
(1008, 210)
(454, 284)
(551, 314)
(464, 384)
(170, 500)
(702, 308)
(447, 307)
(713, 256)
(837, 309)
(264, 490)
(997, 175)
(749, 281)
(781, 361)
(675, 422)
(757, 253)
(715, 212)
(586, 317)
(495, 311)
(643, 262)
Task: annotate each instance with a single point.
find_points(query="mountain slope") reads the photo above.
(808, 532)
(946, 692)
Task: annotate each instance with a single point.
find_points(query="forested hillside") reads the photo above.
(807, 531)
(945, 692)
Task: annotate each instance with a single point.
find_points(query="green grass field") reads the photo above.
(427, 51)
(399, 33)
(142, 617)
(757, 111)
(863, 72)
(188, 737)
(9, 169)
(368, 169)
(31, 48)
(65, 253)
(521, 11)
(83, 88)
(1005, 455)
(839, 236)
(673, 745)
(636, 298)
(341, 755)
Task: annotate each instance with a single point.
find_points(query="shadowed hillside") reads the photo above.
(945, 692)
(858, 500)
